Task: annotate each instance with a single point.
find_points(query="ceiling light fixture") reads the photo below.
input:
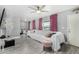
(38, 11)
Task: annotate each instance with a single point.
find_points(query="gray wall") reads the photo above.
(62, 21)
(10, 17)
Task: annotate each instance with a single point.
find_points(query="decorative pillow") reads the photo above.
(50, 34)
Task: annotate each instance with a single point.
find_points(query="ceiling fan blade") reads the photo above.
(76, 9)
(39, 7)
(32, 8)
(44, 11)
(42, 7)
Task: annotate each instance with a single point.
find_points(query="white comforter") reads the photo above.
(56, 39)
(36, 36)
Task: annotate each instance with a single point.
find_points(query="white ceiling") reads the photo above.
(25, 12)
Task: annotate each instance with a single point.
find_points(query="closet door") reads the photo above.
(16, 27)
(9, 27)
(73, 29)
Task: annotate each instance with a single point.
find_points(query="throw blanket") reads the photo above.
(57, 39)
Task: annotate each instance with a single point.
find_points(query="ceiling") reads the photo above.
(25, 12)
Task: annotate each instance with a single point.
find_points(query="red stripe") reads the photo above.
(33, 24)
(40, 24)
(53, 22)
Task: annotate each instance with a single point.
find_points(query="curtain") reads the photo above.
(40, 24)
(33, 24)
(53, 22)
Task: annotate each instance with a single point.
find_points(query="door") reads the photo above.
(73, 29)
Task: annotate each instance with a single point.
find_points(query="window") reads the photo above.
(46, 24)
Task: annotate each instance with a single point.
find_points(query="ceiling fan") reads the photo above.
(76, 10)
(38, 9)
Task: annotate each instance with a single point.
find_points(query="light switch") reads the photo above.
(63, 27)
